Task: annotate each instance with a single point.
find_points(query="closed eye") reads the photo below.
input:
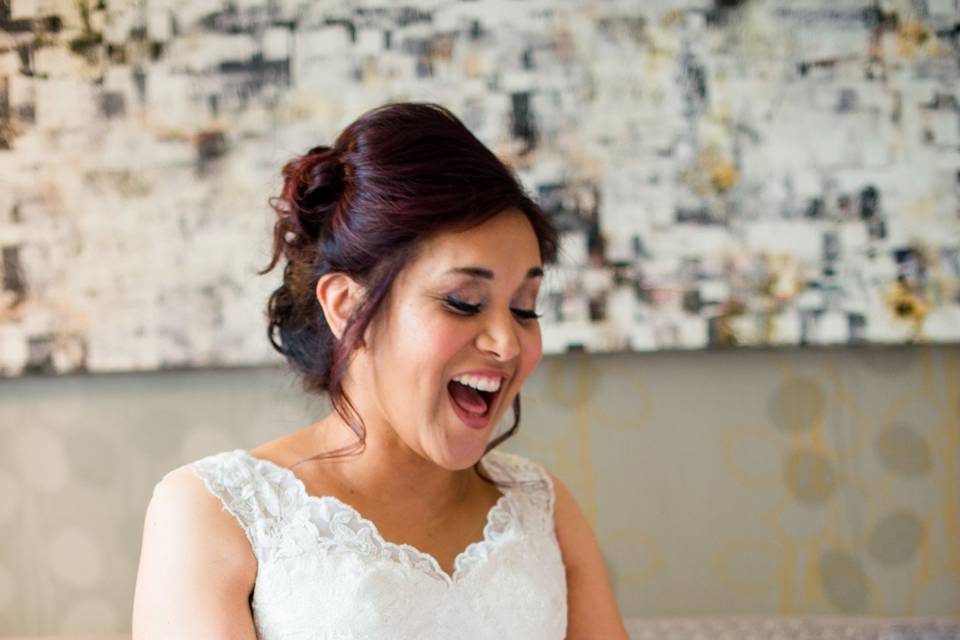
(470, 309)
(526, 314)
(461, 306)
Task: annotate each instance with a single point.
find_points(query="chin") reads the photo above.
(462, 458)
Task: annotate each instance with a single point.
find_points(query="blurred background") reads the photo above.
(753, 373)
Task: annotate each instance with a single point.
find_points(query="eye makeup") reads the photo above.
(465, 308)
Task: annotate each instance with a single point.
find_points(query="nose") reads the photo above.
(499, 336)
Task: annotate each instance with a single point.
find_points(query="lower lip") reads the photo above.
(474, 422)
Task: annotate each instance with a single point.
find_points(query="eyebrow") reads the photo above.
(480, 272)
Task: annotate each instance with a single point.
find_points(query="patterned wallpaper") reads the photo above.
(763, 483)
(724, 172)
(797, 483)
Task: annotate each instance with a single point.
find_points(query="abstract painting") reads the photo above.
(724, 173)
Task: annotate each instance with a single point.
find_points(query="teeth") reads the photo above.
(479, 382)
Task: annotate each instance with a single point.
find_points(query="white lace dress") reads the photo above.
(325, 572)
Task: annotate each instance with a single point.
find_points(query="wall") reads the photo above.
(763, 482)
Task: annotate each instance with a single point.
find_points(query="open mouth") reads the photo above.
(473, 402)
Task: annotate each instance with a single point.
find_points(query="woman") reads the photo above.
(413, 262)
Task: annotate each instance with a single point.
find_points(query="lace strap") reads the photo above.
(250, 497)
(531, 487)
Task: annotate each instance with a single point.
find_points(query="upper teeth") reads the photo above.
(479, 382)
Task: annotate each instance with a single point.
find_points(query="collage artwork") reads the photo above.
(724, 174)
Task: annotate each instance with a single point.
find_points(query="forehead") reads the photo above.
(505, 243)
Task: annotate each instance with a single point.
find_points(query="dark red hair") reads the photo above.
(393, 177)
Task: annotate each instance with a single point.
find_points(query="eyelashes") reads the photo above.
(465, 308)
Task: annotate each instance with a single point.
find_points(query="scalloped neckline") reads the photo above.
(486, 542)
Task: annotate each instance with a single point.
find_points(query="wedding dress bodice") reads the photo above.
(325, 572)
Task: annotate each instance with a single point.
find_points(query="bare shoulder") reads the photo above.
(567, 513)
(592, 608)
(182, 505)
(292, 447)
(281, 452)
(197, 567)
(574, 533)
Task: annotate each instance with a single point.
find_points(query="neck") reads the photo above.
(388, 472)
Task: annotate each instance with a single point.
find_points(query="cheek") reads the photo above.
(430, 343)
(445, 335)
(531, 352)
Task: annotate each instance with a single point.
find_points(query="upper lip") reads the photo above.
(487, 373)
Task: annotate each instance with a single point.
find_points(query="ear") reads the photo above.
(338, 295)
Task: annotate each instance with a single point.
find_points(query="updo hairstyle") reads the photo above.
(396, 175)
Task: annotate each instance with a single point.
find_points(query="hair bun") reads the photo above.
(321, 178)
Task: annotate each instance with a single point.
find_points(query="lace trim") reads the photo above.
(348, 528)
(538, 494)
(226, 481)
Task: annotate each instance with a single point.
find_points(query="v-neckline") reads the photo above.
(499, 512)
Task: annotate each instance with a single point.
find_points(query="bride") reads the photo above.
(413, 260)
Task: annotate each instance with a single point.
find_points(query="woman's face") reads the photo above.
(462, 306)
